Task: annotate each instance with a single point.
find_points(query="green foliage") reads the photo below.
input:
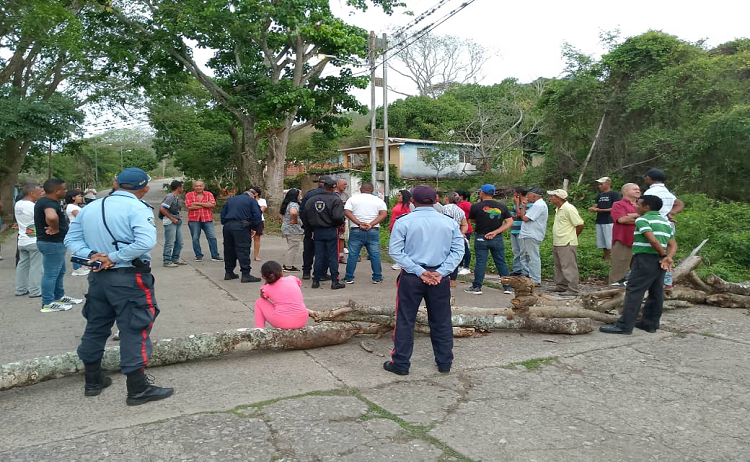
(394, 180)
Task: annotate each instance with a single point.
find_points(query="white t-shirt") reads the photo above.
(90, 195)
(24, 211)
(69, 209)
(262, 203)
(365, 207)
(667, 198)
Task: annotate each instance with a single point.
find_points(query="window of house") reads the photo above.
(423, 154)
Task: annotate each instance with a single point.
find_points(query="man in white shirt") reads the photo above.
(29, 268)
(671, 206)
(89, 195)
(365, 211)
(533, 230)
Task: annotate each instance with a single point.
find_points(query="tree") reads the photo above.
(53, 60)
(267, 65)
(440, 159)
(436, 63)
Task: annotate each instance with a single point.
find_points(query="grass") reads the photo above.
(535, 363)
(708, 334)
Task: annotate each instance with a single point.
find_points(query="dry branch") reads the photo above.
(686, 294)
(720, 285)
(685, 267)
(698, 283)
(178, 350)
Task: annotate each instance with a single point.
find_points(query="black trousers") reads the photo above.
(308, 250)
(129, 299)
(326, 253)
(237, 243)
(645, 275)
(409, 294)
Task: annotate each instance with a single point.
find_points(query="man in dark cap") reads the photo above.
(241, 217)
(118, 232)
(533, 231)
(428, 246)
(671, 206)
(324, 213)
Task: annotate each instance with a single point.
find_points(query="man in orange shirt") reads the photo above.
(200, 204)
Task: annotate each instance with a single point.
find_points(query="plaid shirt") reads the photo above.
(201, 214)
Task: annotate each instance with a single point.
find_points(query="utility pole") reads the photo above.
(96, 167)
(386, 147)
(121, 167)
(373, 145)
(49, 161)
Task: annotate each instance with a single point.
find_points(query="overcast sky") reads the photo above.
(528, 36)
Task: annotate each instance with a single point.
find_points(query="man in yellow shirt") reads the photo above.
(568, 225)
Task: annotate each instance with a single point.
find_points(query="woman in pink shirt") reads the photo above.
(401, 207)
(281, 301)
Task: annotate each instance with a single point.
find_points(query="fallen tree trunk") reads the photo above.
(685, 267)
(729, 300)
(686, 294)
(178, 350)
(694, 280)
(674, 304)
(720, 285)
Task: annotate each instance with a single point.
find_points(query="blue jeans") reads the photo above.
(172, 241)
(482, 247)
(369, 239)
(531, 261)
(515, 244)
(53, 262)
(466, 262)
(210, 230)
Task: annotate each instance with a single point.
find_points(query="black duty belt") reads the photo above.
(131, 269)
(430, 268)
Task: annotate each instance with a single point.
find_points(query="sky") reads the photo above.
(527, 37)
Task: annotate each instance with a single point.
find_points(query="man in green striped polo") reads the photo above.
(654, 248)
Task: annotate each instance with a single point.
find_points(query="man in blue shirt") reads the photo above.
(119, 231)
(241, 217)
(428, 246)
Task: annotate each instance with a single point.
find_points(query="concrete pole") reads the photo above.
(386, 147)
(373, 140)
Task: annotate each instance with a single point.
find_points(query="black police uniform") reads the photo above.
(324, 213)
(240, 215)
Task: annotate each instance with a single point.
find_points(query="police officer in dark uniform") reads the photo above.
(428, 246)
(241, 217)
(324, 213)
(308, 246)
(119, 231)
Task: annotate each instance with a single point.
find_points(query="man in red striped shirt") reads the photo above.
(200, 204)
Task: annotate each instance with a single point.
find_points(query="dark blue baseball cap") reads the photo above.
(424, 194)
(133, 179)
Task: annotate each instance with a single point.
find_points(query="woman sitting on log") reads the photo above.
(281, 301)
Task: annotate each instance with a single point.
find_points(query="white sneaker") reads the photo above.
(395, 266)
(55, 306)
(464, 271)
(65, 299)
(81, 272)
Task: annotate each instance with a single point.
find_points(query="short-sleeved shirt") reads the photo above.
(488, 216)
(455, 212)
(171, 202)
(90, 195)
(24, 211)
(287, 228)
(398, 210)
(41, 221)
(69, 209)
(667, 198)
(286, 296)
(517, 222)
(621, 232)
(655, 223)
(202, 214)
(605, 200)
(536, 227)
(262, 203)
(466, 207)
(365, 207)
(564, 228)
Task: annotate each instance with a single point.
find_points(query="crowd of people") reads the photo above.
(430, 240)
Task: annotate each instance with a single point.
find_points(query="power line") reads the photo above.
(421, 17)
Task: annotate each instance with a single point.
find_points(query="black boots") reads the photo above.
(96, 381)
(247, 277)
(141, 389)
(230, 276)
(337, 285)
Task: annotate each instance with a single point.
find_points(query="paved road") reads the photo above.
(677, 395)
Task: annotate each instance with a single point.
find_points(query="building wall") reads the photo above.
(412, 167)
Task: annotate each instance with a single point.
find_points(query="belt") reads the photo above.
(357, 227)
(430, 268)
(131, 269)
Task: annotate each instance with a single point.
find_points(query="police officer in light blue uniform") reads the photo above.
(119, 232)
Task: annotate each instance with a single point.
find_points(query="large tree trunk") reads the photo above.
(694, 280)
(685, 267)
(720, 285)
(13, 154)
(276, 166)
(252, 169)
(686, 294)
(173, 351)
